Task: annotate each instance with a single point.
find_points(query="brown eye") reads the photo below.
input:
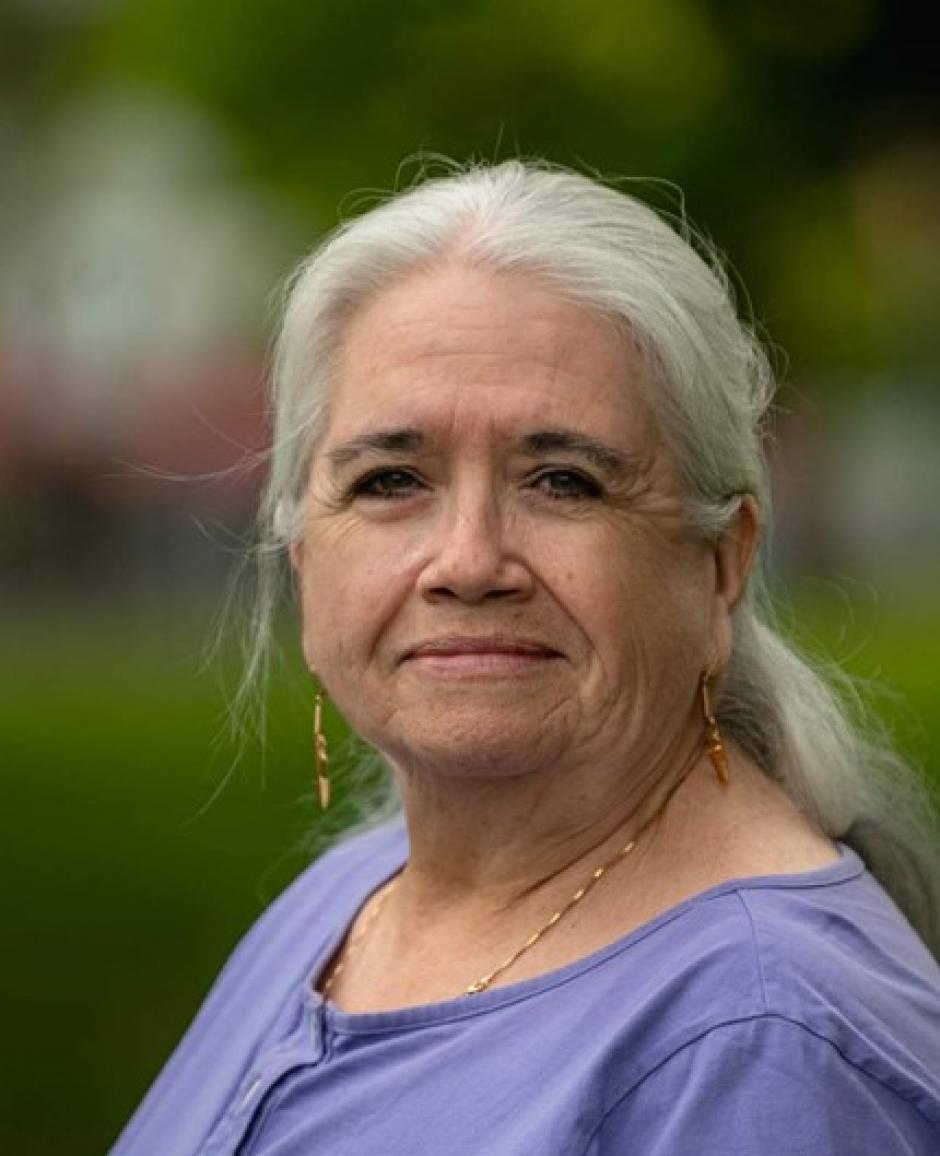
(387, 484)
(566, 484)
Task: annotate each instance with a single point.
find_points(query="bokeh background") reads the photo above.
(164, 165)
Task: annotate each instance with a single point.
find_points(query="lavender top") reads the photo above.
(786, 1014)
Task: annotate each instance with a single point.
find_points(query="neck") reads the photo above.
(488, 844)
(469, 910)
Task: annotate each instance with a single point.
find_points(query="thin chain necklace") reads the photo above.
(484, 982)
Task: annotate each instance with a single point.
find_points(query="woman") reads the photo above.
(517, 467)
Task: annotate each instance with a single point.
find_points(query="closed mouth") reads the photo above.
(454, 645)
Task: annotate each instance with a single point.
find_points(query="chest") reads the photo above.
(514, 1081)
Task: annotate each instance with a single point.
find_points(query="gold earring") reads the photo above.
(713, 742)
(320, 752)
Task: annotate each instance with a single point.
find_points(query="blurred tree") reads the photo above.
(771, 117)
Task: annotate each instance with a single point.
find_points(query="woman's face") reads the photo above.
(497, 572)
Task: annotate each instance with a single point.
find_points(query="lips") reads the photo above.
(459, 644)
(474, 658)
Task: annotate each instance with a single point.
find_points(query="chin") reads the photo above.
(474, 749)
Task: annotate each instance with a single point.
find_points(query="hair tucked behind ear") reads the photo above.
(713, 387)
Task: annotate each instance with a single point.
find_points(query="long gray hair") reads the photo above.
(608, 251)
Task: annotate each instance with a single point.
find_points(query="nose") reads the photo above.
(473, 555)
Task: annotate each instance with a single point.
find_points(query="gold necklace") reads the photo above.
(355, 940)
(485, 981)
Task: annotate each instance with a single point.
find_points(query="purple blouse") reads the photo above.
(772, 1016)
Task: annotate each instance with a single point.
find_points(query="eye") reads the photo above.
(387, 484)
(561, 484)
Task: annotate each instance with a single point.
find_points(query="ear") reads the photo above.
(296, 551)
(735, 552)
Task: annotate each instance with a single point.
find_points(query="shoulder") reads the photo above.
(826, 949)
(325, 895)
(837, 956)
(768, 1086)
(842, 962)
(270, 964)
(258, 987)
(788, 1011)
(277, 952)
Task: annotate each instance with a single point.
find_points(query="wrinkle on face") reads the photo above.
(619, 586)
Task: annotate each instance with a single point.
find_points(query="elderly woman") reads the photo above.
(638, 898)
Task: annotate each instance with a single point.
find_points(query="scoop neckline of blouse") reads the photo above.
(847, 867)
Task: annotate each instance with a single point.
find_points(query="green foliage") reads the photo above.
(129, 885)
(775, 120)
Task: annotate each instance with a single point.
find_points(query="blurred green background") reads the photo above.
(165, 164)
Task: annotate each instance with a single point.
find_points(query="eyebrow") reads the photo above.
(611, 460)
(390, 441)
(408, 440)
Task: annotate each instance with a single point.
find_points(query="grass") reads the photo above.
(125, 888)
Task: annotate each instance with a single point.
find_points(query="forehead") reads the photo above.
(472, 350)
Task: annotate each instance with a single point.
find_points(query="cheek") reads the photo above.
(350, 590)
(675, 619)
(649, 603)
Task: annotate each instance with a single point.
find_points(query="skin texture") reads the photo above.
(501, 591)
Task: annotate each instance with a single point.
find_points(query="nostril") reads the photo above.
(507, 592)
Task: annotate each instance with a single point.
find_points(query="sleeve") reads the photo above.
(764, 1087)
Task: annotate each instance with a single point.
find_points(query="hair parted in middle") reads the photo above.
(596, 246)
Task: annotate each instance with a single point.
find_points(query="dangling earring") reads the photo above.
(713, 743)
(320, 752)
